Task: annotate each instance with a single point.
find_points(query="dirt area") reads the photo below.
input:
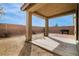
(11, 46)
(14, 46)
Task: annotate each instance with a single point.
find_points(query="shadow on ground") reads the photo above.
(26, 50)
(65, 49)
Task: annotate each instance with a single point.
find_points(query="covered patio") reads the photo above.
(50, 42)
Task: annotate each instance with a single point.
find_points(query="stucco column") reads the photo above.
(75, 16)
(28, 26)
(77, 11)
(46, 27)
(74, 21)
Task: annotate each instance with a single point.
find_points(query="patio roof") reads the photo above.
(46, 11)
(49, 10)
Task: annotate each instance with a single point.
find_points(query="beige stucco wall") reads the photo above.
(20, 29)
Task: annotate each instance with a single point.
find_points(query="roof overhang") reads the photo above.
(50, 10)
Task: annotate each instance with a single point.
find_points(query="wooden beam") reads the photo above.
(27, 6)
(53, 16)
(39, 14)
(36, 7)
(62, 14)
(24, 6)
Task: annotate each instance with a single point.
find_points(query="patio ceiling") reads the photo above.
(50, 10)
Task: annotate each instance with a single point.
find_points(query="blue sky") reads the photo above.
(14, 15)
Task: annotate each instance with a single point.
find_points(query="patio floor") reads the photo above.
(59, 44)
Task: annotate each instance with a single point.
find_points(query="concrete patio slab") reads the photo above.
(47, 43)
(60, 45)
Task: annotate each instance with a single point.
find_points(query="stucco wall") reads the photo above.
(20, 29)
(58, 29)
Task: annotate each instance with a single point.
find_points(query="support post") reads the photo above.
(74, 23)
(46, 27)
(28, 26)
